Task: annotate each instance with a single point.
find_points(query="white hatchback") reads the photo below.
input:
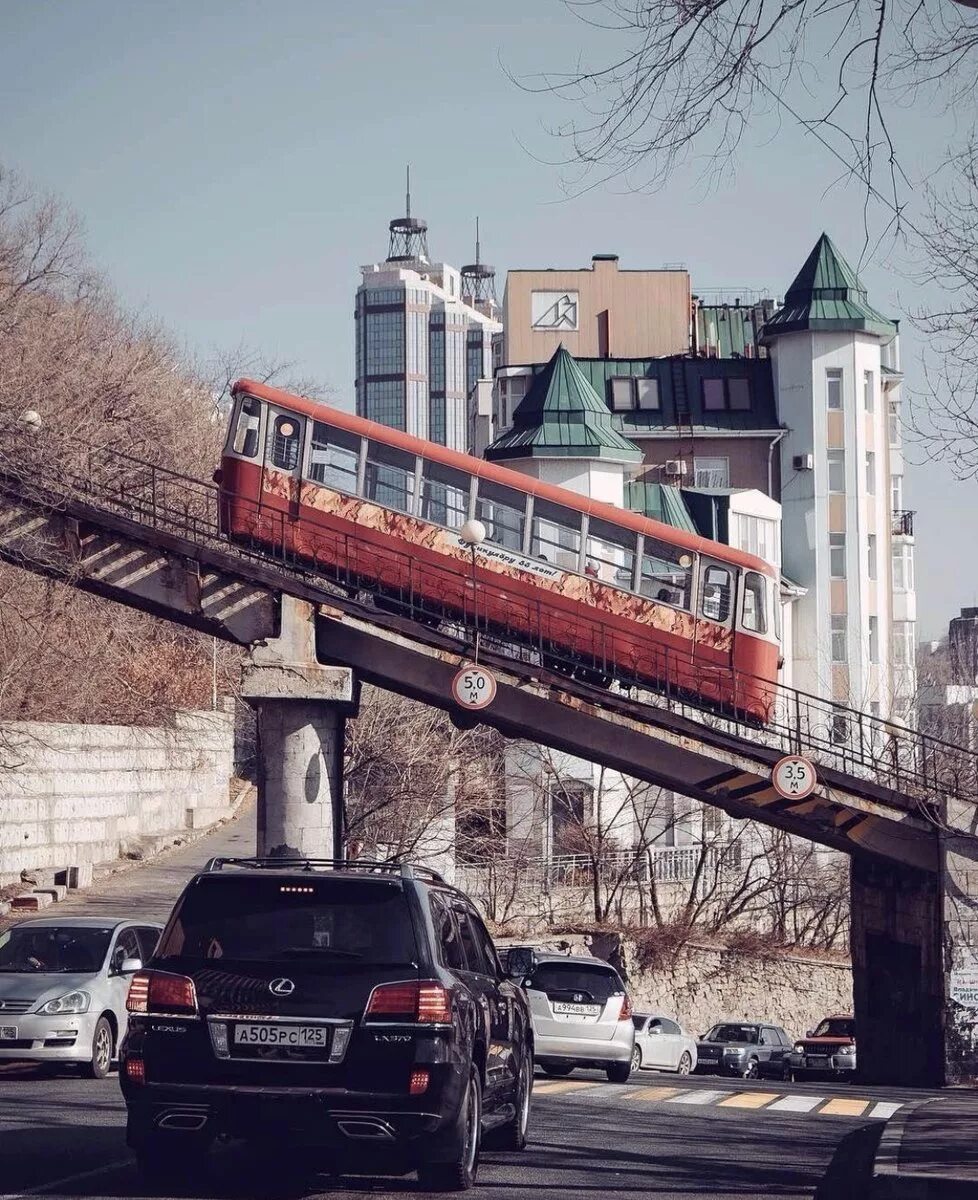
(663, 1044)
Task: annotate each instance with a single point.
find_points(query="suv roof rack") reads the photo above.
(367, 865)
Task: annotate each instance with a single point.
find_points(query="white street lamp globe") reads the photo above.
(31, 418)
(473, 533)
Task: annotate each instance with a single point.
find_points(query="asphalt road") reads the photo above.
(657, 1136)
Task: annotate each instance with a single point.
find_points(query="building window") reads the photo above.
(903, 643)
(874, 708)
(837, 470)
(837, 555)
(871, 555)
(896, 493)
(833, 389)
(874, 639)
(868, 391)
(711, 472)
(647, 395)
(903, 568)
(870, 472)
(720, 395)
(839, 654)
(894, 422)
(840, 726)
(621, 395)
(759, 535)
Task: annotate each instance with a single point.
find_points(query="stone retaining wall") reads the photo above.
(74, 794)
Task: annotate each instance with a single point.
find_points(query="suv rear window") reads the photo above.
(324, 920)
(557, 978)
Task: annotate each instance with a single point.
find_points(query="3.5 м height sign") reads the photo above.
(474, 687)
(794, 777)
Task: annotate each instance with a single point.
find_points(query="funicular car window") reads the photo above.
(245, 437)
(560, 979)
(333, 458)
(284, 441)
(444, 495)
(556, 534)
(610, 554)
(667, 573)
(755, 611)
(389, 478)
(715, 593)
(503, 512)
(325, 922)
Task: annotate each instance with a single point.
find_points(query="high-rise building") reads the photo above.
(424, 336)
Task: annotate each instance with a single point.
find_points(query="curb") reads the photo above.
(890, 1183)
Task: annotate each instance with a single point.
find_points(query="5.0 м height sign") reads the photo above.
(474, 687)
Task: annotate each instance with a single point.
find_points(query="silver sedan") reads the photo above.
(662, 1043)
(63, 985)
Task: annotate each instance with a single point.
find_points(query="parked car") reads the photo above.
(830, 1047)
(751, 1049)
(63, 985)
(355, 1011)
(662, 1043)
(582, 1016)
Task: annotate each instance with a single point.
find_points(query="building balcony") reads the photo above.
(902, 525)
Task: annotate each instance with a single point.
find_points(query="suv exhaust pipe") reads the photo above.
(187, 1122)
(366, 1129)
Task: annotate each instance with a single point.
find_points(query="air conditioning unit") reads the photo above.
(676, 466)
(803, 462)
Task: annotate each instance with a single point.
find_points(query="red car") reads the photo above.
(829, 1048)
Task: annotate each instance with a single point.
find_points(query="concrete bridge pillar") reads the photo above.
(302, 706)
(914, 945)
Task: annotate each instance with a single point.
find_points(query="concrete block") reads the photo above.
(4, 907)
(81, 875)
(31, 901)
(57, 891)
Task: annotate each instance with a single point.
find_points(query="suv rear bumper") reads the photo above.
(327, 1118)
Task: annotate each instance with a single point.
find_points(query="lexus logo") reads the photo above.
(281, 987)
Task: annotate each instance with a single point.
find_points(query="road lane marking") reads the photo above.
(797, 1104)
(59, 1183)
(844, 1108)
(649, 1094)
(884, 1109)
(698, 1097)
(556, 1088)
(749, 1100)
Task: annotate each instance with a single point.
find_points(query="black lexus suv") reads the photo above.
(354, 1011)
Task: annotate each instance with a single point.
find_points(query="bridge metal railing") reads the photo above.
(524, 631)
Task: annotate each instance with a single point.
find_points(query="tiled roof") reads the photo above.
(563, 416)
(827, 295)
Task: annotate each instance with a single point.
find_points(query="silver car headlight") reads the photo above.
(62, 1006)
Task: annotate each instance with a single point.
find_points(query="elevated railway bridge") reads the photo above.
(902, 805)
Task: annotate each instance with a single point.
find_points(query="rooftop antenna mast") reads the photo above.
(478, 278)
(409, 235)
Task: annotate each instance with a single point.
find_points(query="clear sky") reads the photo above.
(235, 161)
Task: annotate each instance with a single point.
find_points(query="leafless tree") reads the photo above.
(685, 78)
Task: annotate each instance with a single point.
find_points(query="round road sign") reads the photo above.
(794, 777)
(474, 687)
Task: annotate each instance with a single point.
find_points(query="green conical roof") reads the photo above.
(562, 416)
(827, 295)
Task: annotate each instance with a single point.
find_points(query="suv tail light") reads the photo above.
(424, 1002)
(626, 1009)
(159, 992)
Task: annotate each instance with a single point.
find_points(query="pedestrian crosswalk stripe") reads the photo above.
(844, 1108)
(699, 1097)
(556, 1087)
(748, 1100)
(884, 1109)
(647, 1094)
(800, 1104)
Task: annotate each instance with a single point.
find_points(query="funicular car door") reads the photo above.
(281, 469)
(715, 608)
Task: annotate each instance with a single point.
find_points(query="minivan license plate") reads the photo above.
(281, 1035)
(8, 1033)
(577, 1010)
